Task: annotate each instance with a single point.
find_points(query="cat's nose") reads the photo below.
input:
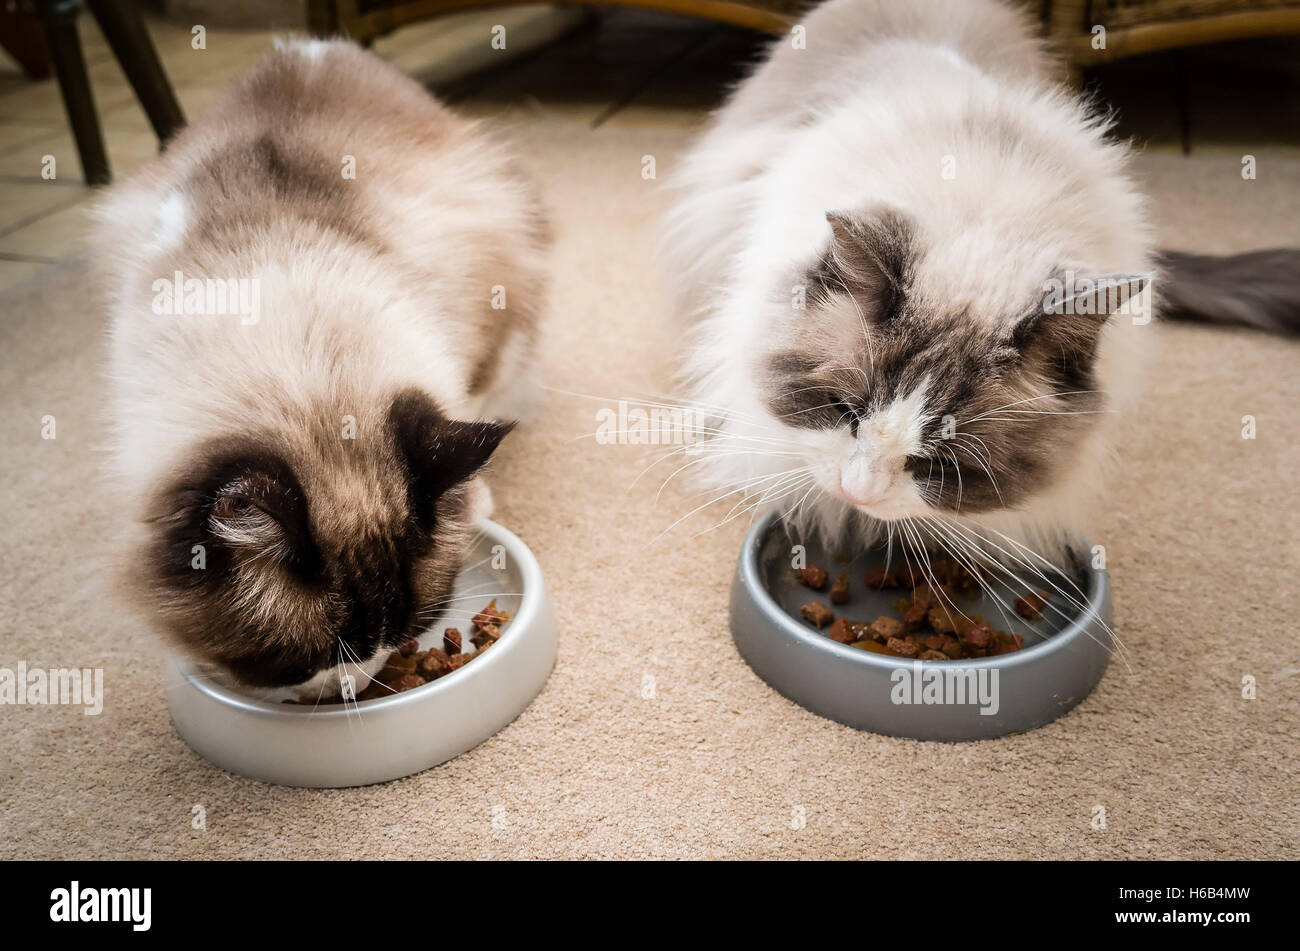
(861, 493)
(863, 482)
(863, 502)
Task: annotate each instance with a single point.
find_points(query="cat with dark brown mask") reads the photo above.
(324, 318)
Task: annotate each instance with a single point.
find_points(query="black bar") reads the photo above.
(1012, 901)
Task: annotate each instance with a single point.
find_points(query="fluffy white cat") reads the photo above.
(921, 282)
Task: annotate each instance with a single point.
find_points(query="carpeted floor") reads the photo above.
(1201, 534)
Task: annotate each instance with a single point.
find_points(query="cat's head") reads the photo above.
(911, 392)
(287, 557)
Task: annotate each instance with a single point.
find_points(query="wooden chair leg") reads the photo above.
(125, 30)
(1183, 101)
(59, 23)
(322, 19)
(20, 37)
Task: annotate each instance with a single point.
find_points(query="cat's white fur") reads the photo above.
(884, 97)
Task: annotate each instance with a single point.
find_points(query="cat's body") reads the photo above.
(864, 239)
(309, 450)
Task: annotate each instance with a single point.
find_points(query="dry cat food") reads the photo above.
(840, 590)
(817, 614)
(1030, 606)
(813, 576)
(929, 625)
(409, 667)
(451, 640)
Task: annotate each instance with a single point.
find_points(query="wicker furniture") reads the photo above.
(363, 20)
(1145, 26)
(1132, 26)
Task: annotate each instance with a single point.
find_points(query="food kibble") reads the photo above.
(408, 667)
(839, 631)
(813, 576)
(487, 626)
(978, 637)
(908, 576)
(451, 640)
(817, 614)
(885, 627)
(880, 578)
(896, 645)
(840, 590)
(929, 625)
(1030, 606)
(409, 682)
(490, 616)
(433, 663)
(846, 631)
(941, 619)
(914, 611)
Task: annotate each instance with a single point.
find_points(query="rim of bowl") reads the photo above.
(531, 574)
(1095, 590)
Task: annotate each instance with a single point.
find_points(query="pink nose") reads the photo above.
(860, 498)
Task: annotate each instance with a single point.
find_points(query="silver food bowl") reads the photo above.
(373, 741)
(1063, 658)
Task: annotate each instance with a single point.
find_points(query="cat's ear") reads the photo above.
(1074, 309)
(867, 257)
(439, 452)
(1106, 295)
(255, 513)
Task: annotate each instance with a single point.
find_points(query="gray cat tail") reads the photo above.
(1260, 289)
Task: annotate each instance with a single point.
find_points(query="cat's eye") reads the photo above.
(845, 410)
(927, 463)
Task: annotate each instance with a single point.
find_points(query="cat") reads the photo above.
(297, 475)
(920, 282)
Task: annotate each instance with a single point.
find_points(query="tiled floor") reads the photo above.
(41, 219)
(619, 67)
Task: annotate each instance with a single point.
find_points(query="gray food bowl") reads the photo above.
(377, 740)
(1064, 655)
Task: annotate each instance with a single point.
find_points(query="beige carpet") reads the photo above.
(1203, 556)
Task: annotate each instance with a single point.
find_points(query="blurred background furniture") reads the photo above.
(363, 20)
(1145, 26)
(124, 28)
(1132, 26)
